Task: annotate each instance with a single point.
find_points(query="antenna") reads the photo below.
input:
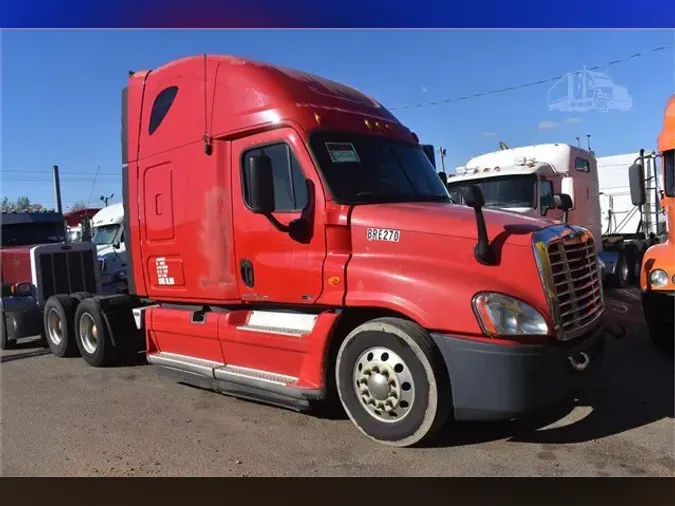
(588, 138)
(503, 146)
(578, 142)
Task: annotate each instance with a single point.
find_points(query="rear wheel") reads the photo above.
(59, 314)
(80, 296)
(92, 334)
(392, 382)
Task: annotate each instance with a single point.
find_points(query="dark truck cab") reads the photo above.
(37, 263)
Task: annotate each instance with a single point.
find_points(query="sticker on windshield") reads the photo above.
(342, 152)
(383, 234)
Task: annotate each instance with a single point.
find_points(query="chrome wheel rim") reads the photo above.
(384, 384)
(54, 327)
(624, 270)
(88, 333)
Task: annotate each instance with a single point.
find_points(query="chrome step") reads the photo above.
(229, 372)
(217, 370)
(185, 363)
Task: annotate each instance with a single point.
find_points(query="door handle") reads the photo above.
(246, 268)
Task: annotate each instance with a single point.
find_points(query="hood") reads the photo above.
(16, 264)
(450, 220)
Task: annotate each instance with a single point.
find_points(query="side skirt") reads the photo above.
(240, 382)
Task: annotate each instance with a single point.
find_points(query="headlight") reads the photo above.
(503, 315)
(658, 277)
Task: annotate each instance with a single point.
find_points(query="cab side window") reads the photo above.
(545, 197)
(290, 189)
(582, 165)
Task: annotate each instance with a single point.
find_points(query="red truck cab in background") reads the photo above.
(37, 263)
(289, 239)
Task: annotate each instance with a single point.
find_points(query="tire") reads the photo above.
(59, 315)
(92, 334)
(408, 355)
(621, 275)
(634, 259)
(5, 342)
(80, 296)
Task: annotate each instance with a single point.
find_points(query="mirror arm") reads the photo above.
(277, 224)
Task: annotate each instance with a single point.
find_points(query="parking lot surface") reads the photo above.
(60, 417)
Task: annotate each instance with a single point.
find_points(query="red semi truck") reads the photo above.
(289, 240)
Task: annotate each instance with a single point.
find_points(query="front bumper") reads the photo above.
(23, 317)
(659, 309)
(498, 382)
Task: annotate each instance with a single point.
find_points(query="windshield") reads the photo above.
(105, 234)
(24, 234)
(503, 192)
(364, 169)
(669, 172)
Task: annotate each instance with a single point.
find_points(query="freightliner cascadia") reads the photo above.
(289, 241)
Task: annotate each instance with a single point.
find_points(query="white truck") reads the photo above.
(108, 236)
(524, 180)
(619, 215)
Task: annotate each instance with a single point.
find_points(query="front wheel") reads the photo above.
(5, 342)
(622, 271)
(392, 382)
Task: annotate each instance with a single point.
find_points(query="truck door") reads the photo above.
(272, 266)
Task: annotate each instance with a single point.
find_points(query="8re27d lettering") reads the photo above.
(271, 219)
(380, 234)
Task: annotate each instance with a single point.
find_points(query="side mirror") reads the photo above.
(636, 178)
(260, 184)
(473, 196)
(562, 201)
(483, 252)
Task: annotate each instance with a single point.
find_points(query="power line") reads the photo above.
(532, 83)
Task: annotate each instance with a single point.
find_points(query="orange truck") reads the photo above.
(290, 242)
(657, 279)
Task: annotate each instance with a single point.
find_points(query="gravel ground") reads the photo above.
(62, 418)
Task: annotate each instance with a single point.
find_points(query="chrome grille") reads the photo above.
(576, 281)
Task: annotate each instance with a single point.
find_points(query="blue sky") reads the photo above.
(61, 90)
